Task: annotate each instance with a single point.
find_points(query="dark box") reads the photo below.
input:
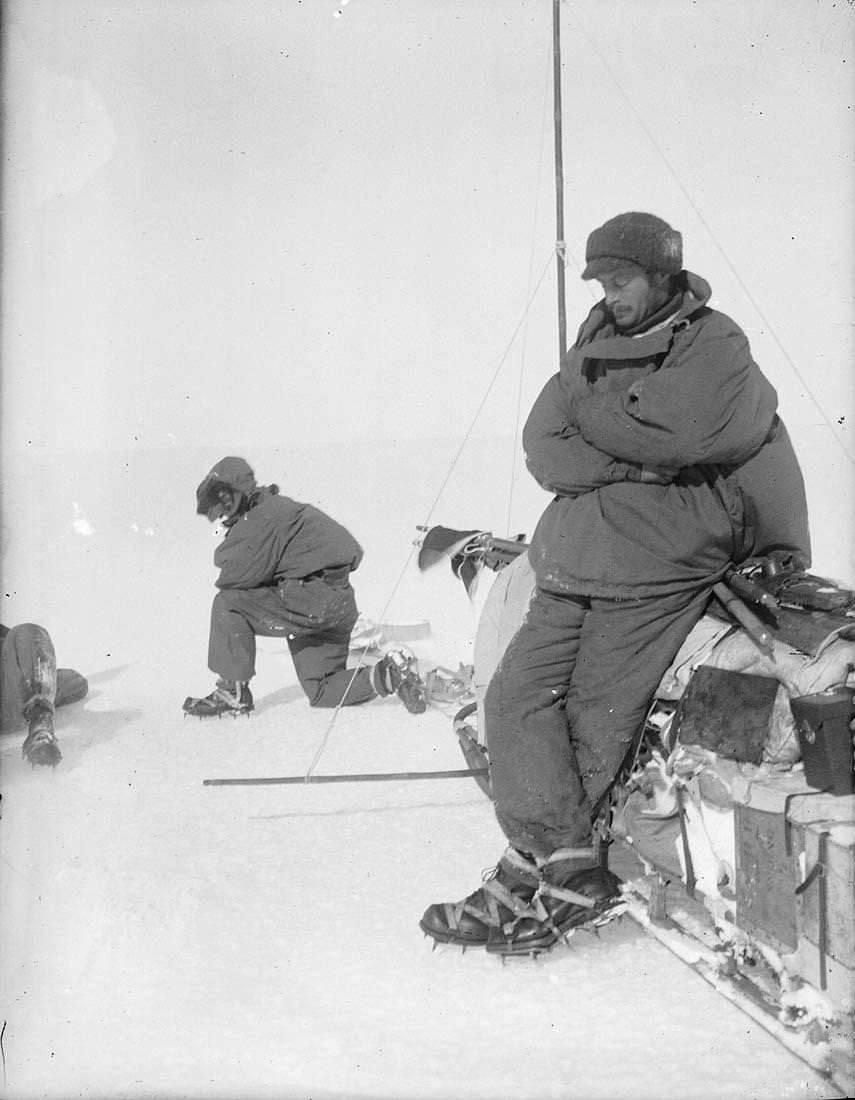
(822, 724)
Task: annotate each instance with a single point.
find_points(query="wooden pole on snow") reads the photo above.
(364, 777)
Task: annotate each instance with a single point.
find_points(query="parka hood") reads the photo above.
(232, 471)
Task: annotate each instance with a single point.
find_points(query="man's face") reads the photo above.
(226, 498)
(632, 294)
(223, 501)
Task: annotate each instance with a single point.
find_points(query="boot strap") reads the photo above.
(507, 898)
(562, 894)
(517, 859)
(569, 853)
(521, 910)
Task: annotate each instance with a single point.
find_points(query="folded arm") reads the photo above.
(711, 406)
(559, 458)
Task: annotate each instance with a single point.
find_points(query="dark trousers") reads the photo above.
(29, 676)
(563, 706)
(314, 617)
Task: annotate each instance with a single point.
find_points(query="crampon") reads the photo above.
(396, 673)
(228, 697)
(527, 906)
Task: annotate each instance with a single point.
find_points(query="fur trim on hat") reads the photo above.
(636, 238)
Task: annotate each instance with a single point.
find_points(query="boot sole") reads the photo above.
(43, 760)
(41, 750)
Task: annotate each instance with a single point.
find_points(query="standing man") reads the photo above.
(32, 687)
(285, 572)
(657, 437)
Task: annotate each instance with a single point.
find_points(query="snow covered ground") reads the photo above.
(168, 939)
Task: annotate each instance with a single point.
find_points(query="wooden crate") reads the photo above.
(781, 825)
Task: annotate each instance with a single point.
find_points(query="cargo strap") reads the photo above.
(788, 828)
(691, 881)
(818, 872)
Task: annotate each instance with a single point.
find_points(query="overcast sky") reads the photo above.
(295, 220)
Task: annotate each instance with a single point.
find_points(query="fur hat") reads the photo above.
(637, 238)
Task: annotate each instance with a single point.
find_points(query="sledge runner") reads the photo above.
(654, 437)
(32, 687)
(285, 572)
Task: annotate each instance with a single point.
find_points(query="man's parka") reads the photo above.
(642, 439)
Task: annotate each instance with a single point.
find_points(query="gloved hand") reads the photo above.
(653, 475)
(658, 475)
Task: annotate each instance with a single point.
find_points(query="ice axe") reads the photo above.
(756, 630)
(749, 590)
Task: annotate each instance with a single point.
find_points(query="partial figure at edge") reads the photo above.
(32, 687)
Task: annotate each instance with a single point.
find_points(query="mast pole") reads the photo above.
(560, 246)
